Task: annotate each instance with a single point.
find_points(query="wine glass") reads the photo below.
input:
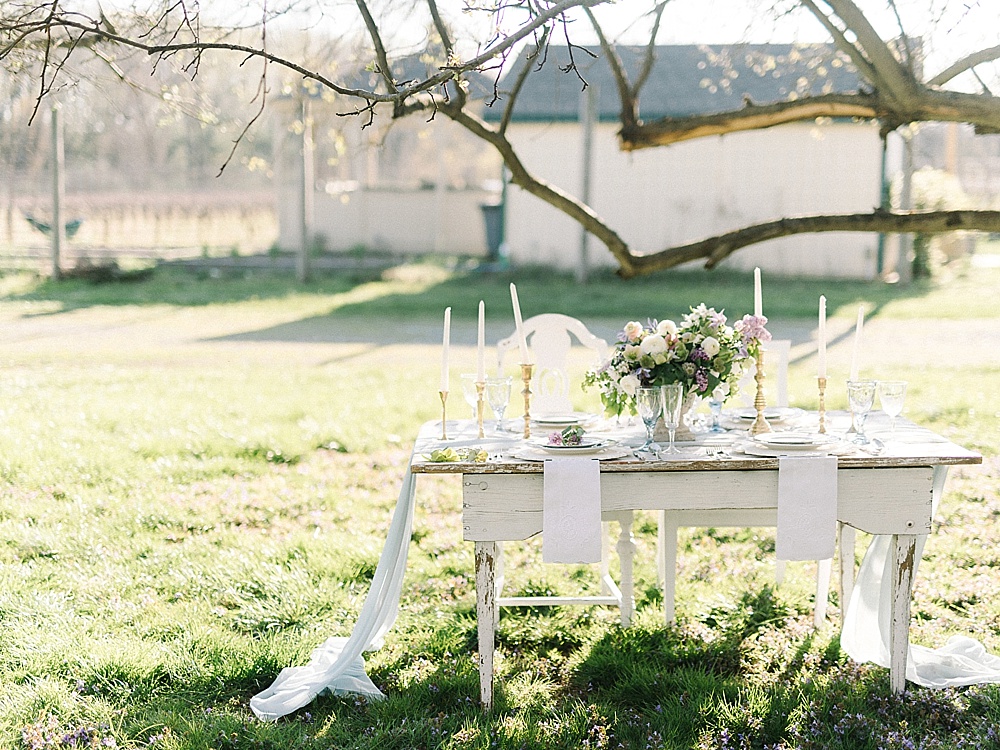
(498, 394)
(471, 394)
(673, 399)
(891, 394)
(861, 397)
(715, 407)
(649, 404)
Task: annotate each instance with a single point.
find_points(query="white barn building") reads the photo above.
(660, 197)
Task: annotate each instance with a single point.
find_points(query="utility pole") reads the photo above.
(308, 188)
(588, 113)
(58, 191)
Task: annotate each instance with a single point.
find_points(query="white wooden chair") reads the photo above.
(776, 361)
(550, 338)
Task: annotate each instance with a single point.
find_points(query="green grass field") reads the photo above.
(197, 475)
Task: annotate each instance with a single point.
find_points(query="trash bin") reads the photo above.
(493, 222)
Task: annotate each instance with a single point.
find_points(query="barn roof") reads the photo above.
(685, 80)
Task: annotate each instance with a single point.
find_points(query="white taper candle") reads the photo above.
(446, 344)
(758, 305)
(821, 337)
(481, 344)
(519, 325)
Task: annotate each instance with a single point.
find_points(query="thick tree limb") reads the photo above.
(520, 176)
(752, 117)
(894, 81)
(715, 249)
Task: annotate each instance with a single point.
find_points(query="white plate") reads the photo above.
(794, 440)
(567, 418)
(584, 446)
(605, 453)
(834, 449)
(773, 413)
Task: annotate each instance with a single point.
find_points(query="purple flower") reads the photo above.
(701, 379)
(699, 355)
(752, 329)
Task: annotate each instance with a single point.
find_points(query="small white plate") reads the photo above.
(604, 453)
(564, 419)
(795, 440)
(834, 449)
(591, 446)
(772, 413)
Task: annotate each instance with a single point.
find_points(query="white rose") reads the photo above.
(629, 385)
(710, 346)
(653, 344)
(666, 328)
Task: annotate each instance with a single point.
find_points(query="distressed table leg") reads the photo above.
(668, 563)
(626, 551)
(486, 612)
(904, 553)
(846, 539)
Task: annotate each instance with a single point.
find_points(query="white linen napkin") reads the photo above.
(571, 511)
(807, 507)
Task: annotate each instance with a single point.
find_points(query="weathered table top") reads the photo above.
(910, 445)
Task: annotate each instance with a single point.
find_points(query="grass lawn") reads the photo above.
(196, 476)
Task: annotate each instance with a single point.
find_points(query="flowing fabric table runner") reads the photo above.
(868, 622)
(337, 665)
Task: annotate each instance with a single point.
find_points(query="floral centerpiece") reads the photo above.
(703, 352)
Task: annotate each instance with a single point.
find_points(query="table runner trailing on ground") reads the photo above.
(337, 666)
(867, 624)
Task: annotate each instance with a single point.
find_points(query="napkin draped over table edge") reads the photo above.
(571, 510)
(807, 508)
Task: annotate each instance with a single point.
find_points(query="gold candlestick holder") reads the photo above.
(480, 405)
(760, 424)
(821, 384)
(444, 414)
(526, 371)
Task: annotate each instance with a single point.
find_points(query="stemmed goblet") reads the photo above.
(673, 398)
(649, 404)
(470, 393)
(498, 395)
(891, 394)
(861, 397)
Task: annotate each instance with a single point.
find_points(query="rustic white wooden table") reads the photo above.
(890, 493)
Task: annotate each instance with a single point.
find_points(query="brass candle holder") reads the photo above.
(526, 371)
(444, 414)
(821, 384)
(480, 405)
(760, 424)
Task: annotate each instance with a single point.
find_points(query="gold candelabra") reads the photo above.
(760, 424)
(480, 405)
(821, 383)
(526, 371)
(444, 414)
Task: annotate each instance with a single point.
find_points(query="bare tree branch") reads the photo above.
(843, 43)
(897, 83)
(522, 76)
(966, 63)
(716, 249)
(669, 130)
